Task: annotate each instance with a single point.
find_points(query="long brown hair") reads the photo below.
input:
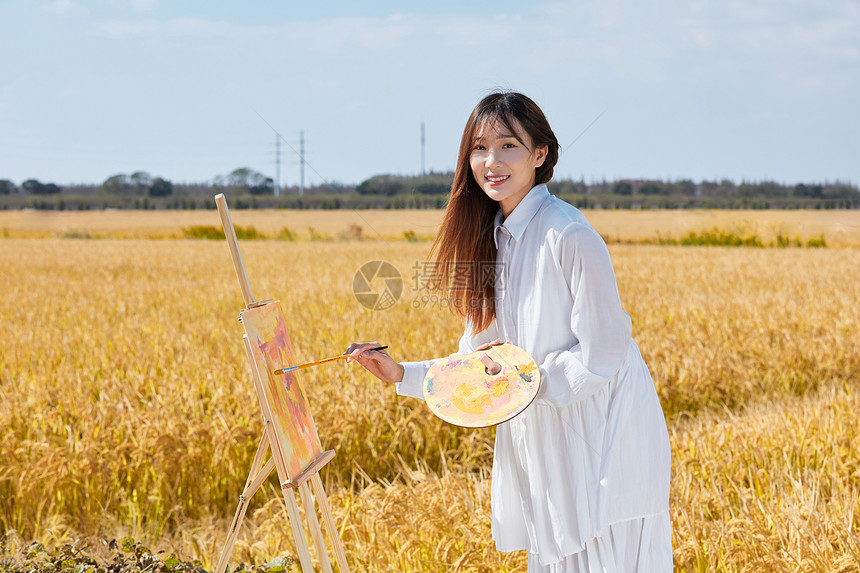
(464, 248)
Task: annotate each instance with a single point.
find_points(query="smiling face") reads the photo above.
(504, 162)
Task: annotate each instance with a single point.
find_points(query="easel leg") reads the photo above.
(298, 532)
(252, 484)
(314, 526)
(328, 520)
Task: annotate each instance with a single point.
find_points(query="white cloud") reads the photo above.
(137, 6)
(60, 7)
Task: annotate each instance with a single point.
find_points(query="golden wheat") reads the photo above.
(840, 228)
(126, 408)
(375, 224)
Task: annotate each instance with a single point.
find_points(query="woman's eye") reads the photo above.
(508, 146)
(479, 148)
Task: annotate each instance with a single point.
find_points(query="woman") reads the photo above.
(581, 477)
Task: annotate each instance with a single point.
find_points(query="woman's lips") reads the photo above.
(494, 180)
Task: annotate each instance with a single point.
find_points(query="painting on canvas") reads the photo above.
(299, 444)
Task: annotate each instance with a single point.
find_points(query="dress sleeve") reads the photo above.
(414, 372)
(597, 321)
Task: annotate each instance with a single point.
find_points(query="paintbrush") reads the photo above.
(323, 361)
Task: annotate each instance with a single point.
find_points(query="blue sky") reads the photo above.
(760, 89)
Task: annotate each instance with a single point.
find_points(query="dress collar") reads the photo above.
(523, 213)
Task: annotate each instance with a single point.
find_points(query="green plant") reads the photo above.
(126, 556)
(816, 243)
(213, 232)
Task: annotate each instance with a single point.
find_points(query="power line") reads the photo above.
(423, 172)
(277, 166)
(302, 161)
(301, 155)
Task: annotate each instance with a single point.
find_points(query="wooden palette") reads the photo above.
(483, 388)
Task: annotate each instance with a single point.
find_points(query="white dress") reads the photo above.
(581, 477)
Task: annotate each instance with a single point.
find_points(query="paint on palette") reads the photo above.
(299, 443)
(462, 389)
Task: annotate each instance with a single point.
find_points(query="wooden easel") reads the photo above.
(269, 443)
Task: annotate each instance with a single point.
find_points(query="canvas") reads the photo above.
(297, 441)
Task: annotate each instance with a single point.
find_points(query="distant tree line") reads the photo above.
(724, 194)
(139, 183)
(31, 186)
(250, 189)
(390, 185)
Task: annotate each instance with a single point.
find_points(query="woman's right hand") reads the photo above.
(377, 362)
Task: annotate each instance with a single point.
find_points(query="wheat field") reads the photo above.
(126, 406)
(841, 228)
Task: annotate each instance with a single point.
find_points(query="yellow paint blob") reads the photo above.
(467, 399)
(500, 386)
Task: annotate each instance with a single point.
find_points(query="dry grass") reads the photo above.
(840, 228)
(125, 405)
(375, 224)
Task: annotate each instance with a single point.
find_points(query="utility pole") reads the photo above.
(277, 165)
(302, 161)
(422, 149)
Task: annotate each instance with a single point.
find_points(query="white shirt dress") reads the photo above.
(581, 476)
